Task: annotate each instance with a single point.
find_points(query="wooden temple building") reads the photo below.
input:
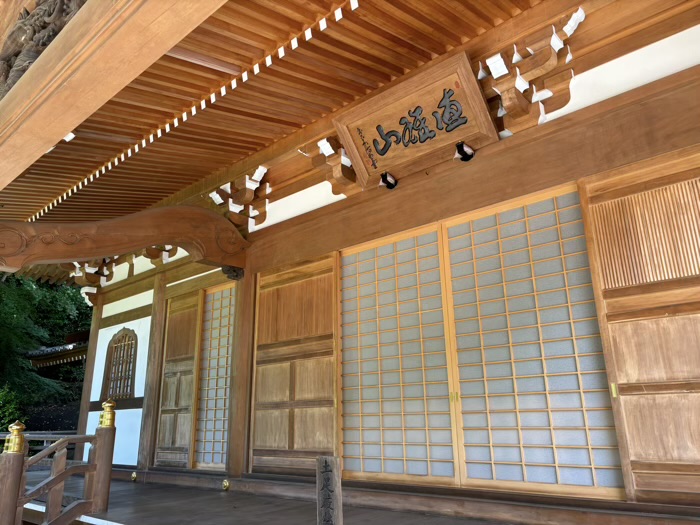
(455, 244)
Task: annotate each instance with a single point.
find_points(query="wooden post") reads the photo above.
(104, 453)
(154, 373)
(54, 502)
(329, 491)
(11, 474)
(97, 305)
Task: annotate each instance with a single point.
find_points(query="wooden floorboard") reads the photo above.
(153, 504)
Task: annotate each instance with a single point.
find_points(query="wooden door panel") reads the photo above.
(643, 244)
(272, 429)
(175, 437)
(311, 429)
(677, 435)
(166, 430)
(272, 383)
(314, 378)
(294, 410)
(658, 350)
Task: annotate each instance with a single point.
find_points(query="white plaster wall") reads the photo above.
(643, 66)
(297, 204)
(194, 277)
(142, 327)
(126, 444)
(130, 303)
(141, 264)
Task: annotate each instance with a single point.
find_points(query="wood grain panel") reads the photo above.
(296, 310)
(663, 427)
(295, 368)
(271, 429)
(181, 332)
(314, 378)
(272, 383)
(650, 236)
(312, 430)
(175, 433)
(663, 349)
(642, 226)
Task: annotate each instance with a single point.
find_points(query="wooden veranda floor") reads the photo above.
(153, 504)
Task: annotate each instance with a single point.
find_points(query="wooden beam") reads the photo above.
(99, 52)
(207, 236)
(649, 121)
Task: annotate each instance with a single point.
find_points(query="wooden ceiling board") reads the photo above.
(367, 49)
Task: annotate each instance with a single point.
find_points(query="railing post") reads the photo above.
(104, 452)
(11, 474)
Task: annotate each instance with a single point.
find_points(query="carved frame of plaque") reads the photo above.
(425, 88)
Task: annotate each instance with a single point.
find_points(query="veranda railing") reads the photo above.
(14, 464)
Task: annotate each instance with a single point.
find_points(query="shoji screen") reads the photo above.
(396, 408)
(214, 378)
(534, 394)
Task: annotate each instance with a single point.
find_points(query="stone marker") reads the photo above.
(329, 491)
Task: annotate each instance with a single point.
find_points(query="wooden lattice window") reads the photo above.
(215, 378)
(120, 366)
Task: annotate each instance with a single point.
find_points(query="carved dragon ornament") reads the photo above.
(30, 36)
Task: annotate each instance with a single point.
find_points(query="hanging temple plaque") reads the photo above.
(416, 122)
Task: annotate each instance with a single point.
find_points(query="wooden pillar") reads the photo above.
(151, 396)
(11, 474)
(98, 304)
(242, 372)
(104, 454)
(329, 491)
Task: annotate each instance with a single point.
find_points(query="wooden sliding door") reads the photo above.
(175, 421)
(397, 420)
(535, 408)
(294, 414)
(471, 355)
(645, 246)
(215, 376)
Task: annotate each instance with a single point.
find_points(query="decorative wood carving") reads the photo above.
(416, 122)
(337, 167)
(519, 91)
(31, 35)
(205, 235)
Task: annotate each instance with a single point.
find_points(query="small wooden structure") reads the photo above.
(97, 471)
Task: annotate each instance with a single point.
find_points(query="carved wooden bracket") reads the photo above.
(207, 236)
(341, 175)
(521, 91)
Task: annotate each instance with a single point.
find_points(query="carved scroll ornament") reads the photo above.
(208, 237)
(30, 36)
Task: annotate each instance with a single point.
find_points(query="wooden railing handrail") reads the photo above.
(44, 436)
(14, 464)
(58, 445)
(72, 512)
(46, 485)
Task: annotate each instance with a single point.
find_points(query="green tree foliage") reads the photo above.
(10, 409)
(32, 315)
